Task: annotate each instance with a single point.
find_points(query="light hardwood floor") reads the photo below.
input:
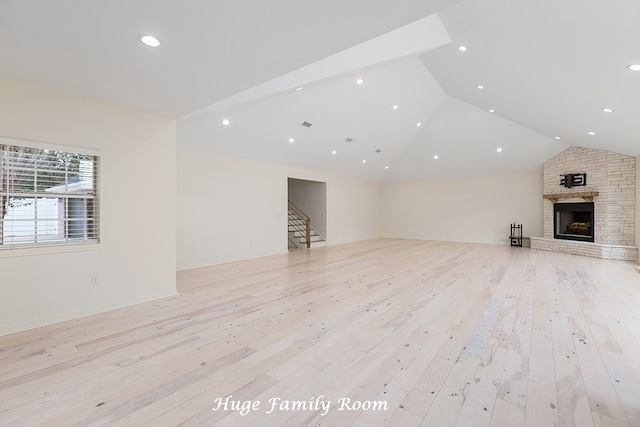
(442, 334)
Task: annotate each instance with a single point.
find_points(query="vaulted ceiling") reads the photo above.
(547, 70)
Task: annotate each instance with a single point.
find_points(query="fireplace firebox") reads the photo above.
(573, 221)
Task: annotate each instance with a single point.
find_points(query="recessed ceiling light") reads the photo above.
(364, 161)
(359, 81)
(607, 110)
(499, 150)
(395, 107)
(291, 140)
(299, 88)
(492, 111)
(149, 40)
(557, 137)
(634, 67)
(480, 87)
(462, 48)
(225, 122)
(386, 167)
(334, 152)
(435, 157)
(418, 124)
(591, 133)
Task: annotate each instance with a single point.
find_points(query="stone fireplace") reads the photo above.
(589, 206)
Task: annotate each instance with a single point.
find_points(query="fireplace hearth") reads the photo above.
(573, 221)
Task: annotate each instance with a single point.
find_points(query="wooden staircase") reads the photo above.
(301, 233)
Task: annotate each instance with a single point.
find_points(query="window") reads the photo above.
(47, 197)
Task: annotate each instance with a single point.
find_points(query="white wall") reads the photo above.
(135, 261)
(467, 209)
(231, 209)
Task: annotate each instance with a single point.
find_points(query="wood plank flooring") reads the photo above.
(386, 332)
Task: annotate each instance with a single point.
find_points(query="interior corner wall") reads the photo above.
(135, 261)
(232, 209)
(475, 209)
(638, 203)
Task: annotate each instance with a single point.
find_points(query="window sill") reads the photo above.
(53, 249)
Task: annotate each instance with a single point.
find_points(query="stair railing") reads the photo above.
(303, 216)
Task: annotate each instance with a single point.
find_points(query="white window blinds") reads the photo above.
(47, 197)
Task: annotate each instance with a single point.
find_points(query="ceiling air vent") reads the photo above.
(378, 151)
(307, 124)
(349, 139)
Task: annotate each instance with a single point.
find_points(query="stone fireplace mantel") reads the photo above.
(586, 195)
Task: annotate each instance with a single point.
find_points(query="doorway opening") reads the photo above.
(307, 200)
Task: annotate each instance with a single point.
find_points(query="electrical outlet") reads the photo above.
(94, 279)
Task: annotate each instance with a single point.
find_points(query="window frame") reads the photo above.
(66, 243)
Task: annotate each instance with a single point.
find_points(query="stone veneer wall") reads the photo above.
(611, 174)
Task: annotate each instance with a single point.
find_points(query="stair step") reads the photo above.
(314, 239)
(303, 235)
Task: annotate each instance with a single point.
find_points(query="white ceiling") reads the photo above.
(548, 68)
